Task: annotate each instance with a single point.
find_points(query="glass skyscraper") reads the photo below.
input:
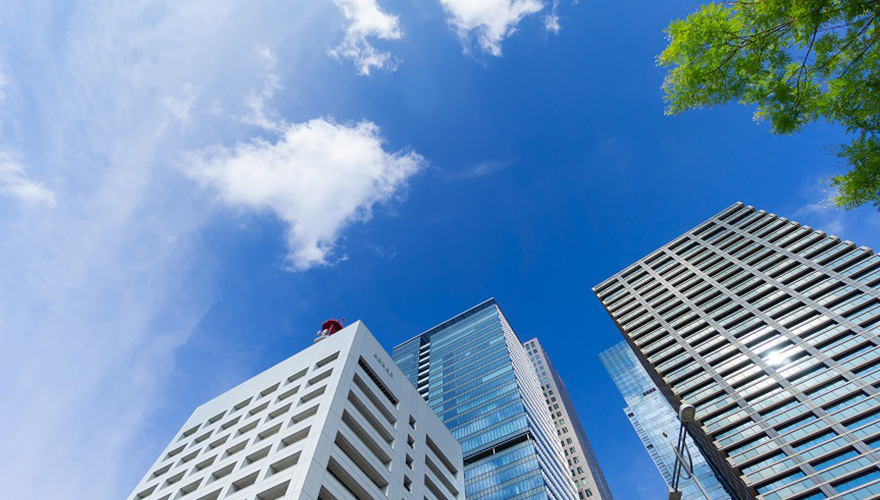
(475, 374)
(651, 416)
(582, 463)
(770, 329)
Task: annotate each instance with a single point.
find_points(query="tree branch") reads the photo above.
(848, 43)
(860, 55)
(797, 87)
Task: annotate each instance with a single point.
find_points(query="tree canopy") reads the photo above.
(797, 61)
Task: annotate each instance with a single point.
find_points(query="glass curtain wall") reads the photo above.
(651, 416)
(770, 329)
(474, 373)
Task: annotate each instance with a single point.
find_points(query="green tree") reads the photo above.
(797, 61)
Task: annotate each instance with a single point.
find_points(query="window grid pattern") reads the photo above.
(276, 420)
(651, 416)
(336, 424)
(770, 330)
(582, 463)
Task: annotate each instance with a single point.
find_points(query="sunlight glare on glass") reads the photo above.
(777, 358)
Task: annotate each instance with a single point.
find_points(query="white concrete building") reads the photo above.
(338, 421)
(582, 462)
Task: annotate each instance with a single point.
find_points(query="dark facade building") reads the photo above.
(770, 329)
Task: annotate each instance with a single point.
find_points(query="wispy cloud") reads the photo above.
(317, 177)
(14, 182)
(551, 20)
(179, 107)
(551, 23)
(822, 215)
(381, 251)
(366, 20)
(259, 113)
(861, 225)
(94, 294)
(98, 293)
(481, 169)
(3, 84)
(488, 22)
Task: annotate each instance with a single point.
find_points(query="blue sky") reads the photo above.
(188, 189)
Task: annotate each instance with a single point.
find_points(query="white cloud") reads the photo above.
(15, 183)
(551, 23)
(317, 177)
(366, 20)
(488, 22)
(551, 20)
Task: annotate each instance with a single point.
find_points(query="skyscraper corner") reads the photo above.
(474, 373)
(770, 329)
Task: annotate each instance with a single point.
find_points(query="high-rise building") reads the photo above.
(651, 416)
(474, 373)
(338, 421)
(770, 329)
(582, 463)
